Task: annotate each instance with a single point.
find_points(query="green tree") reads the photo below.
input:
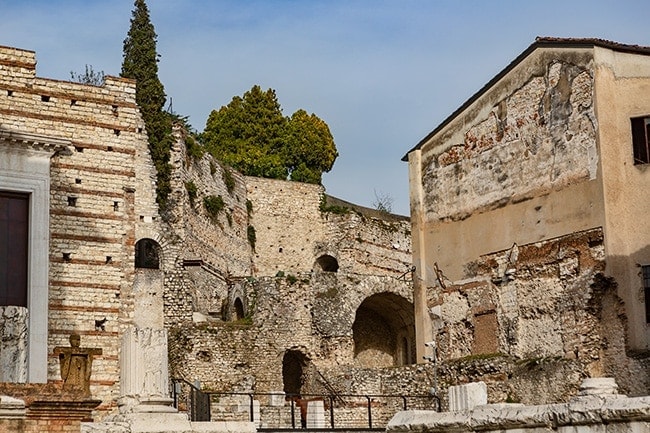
(140, 62)
(248, 134)
(251, 135)
(310, 148)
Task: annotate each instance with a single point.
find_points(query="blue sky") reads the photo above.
(382, 74)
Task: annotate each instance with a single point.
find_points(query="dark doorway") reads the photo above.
(294, 367)
(147, 254)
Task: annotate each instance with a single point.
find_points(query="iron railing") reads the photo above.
(280, 412)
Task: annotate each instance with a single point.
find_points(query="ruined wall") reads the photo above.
(293, 232)
(91, 225)
(529, 176)
(310, 314)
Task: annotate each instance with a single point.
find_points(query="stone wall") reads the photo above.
(92, 188)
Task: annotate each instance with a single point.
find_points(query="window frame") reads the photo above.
(28, 172)
(640, 139)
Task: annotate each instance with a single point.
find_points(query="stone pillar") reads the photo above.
(315, 414)
(13, 344)
(144, 379)
(467, 397)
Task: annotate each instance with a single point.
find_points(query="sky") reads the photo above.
(381, 73)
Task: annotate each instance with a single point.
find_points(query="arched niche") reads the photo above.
(384, 331)
(238, 309)
(147, 254)
(327, 263)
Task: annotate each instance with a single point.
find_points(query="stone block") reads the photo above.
(315, 414)
(467, 397)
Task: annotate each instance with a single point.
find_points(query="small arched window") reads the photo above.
(327, 263)
(238, 309)
(147, 254)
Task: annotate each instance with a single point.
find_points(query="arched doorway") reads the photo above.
(147, 254)
(294, 369)
(384, 331)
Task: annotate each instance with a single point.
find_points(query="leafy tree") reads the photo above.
(248, 133)
(140, 62)
(89, 77)
(251, 135)
(310, 148)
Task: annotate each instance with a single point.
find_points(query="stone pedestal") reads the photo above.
(144, 374)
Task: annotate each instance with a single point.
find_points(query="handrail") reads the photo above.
(198, 396)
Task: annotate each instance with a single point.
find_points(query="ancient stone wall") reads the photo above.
(293, 231)
(91, 202)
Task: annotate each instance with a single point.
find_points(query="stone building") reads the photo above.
(528, 207)
(275, 287)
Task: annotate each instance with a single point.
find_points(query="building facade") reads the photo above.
(528, 213)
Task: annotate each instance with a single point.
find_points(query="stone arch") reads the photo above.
(327, 263)
(147, 254)
(384, 331)
(238, 309)
(294, 371)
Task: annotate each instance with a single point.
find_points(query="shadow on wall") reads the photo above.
(384, 331)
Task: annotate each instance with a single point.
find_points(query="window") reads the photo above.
(14, 235)
(645, 274)
(641, 139)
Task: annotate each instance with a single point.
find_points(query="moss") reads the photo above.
(291, 279)
(325, 208)
(249, 208)
(228, 179)
(331, 292)
(252, 237)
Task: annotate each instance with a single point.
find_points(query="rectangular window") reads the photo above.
(14, 237)
(641, 140)
(645, 270)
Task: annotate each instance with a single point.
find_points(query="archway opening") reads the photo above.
(294, 369)
(147, 254)
(327, 263)
(238, 309)
(384, 331)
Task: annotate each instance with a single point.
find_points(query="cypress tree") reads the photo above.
(140, 62)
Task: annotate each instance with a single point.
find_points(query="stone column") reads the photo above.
(144, 373)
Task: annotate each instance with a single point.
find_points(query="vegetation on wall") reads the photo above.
(192, 191)
(252, 236)
(251, 135)
(213, 205)
(140, 62)
(89, 77)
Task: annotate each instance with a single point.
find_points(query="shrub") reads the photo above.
(213, 205)
(191, 191)
(252, 238)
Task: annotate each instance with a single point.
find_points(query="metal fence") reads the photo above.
(277, 411)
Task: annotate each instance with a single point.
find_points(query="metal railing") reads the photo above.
(280, 412)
